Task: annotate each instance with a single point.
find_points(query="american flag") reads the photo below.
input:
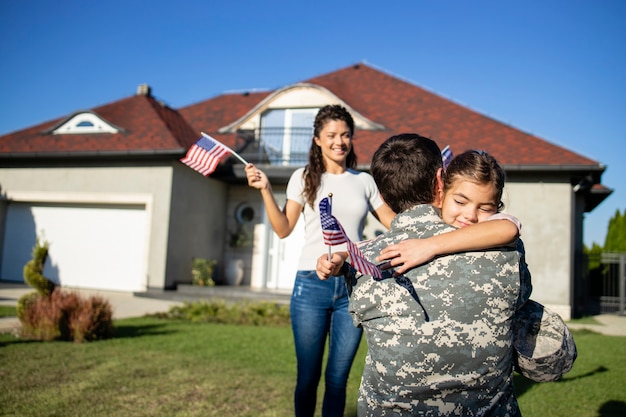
(205, 154)
(334, 235)
(331, 229)
(446, 156)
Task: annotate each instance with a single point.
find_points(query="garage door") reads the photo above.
(91, 246)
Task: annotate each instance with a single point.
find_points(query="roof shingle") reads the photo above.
(394, 103)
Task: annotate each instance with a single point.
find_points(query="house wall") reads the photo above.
(240, 256)
(196, 225)
(580, 284)
(150, 186)
(546, 212)
(546, 209)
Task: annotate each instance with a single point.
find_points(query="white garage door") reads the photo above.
(91, 246)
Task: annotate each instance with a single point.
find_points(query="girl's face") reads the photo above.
(335, 142)
(467, 203)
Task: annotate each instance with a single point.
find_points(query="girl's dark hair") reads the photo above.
(315, 168)
(478, 167)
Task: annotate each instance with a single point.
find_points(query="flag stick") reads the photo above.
(235, 154)
(330, 211)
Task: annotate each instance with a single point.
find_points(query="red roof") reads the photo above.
(211, 115)
(401, 107)
(146, 126)
(150, 126)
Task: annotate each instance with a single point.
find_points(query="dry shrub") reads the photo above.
(66, 316)
(92, 321)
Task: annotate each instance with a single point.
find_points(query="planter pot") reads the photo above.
(234, 272)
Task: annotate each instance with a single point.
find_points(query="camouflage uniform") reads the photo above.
(439, 337)
(545, 349)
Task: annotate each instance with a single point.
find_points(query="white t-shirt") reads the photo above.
(354, 195)
(505, 216)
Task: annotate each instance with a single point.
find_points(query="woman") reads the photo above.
(319, 309)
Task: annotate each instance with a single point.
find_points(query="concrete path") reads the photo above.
(609, 324)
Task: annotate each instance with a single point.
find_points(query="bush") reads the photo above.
(65, 316)
(202, 272)
(256, 314)
(33, 270)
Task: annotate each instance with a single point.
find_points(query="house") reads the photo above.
(106, 188)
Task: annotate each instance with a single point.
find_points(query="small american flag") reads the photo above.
(205, 154)
(334, 235)
(331, 229)
(360, 263)
(446, 156)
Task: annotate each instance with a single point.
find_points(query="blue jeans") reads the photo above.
(318, 309)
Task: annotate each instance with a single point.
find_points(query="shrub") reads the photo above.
(51, 314)
(202, 272)
(66, 316)
(33, 270)
(256, 314)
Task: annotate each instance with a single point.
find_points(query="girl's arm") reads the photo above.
(282, 221)
(413, 252)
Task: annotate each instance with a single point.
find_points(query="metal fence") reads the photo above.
(606, 274)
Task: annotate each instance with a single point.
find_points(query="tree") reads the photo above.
(616, 234)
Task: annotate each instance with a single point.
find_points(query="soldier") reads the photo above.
(439, 335)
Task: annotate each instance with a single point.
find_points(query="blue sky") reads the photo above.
(553, 68)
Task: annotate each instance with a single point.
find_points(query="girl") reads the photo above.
(472, 193)
(319, 309)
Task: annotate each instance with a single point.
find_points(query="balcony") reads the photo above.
(275, 145)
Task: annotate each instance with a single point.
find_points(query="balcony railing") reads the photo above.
(275, 145)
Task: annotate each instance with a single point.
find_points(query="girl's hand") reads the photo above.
(256, 178)
(325, 268)
(406, 254)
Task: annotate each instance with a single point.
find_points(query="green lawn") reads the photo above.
(163, 367)
(7, 311)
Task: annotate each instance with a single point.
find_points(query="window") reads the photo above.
(85, 123)
(286, 135)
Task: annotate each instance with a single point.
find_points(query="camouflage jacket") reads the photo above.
(439, 337)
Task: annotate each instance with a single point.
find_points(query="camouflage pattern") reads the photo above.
(544, 347)
(445, 350)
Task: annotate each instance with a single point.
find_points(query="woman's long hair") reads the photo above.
(315, 168)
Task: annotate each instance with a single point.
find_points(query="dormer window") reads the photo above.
(285, 135)
(280, 127)
(85, 123)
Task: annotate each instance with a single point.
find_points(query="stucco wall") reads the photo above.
(545, 210)
(240, 195)
(196, 224)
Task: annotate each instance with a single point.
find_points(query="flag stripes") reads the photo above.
(204, 155)
(331, 229)
(334, 235)
(360, 263)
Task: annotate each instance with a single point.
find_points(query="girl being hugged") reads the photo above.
(319, 308)
(472, 194)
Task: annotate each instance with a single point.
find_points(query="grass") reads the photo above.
(8, 311)
(585, 320)
(166, 367)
